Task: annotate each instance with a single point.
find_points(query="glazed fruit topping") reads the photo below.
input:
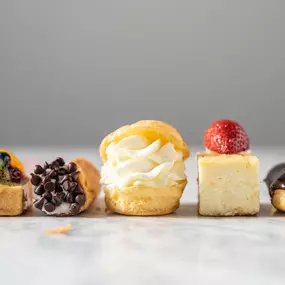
(9, 173)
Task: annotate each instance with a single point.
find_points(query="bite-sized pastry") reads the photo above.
(15, 186)
(275, 181)
(65, 189)
(144, 171)
(228, 174)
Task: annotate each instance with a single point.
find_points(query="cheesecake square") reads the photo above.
(228, 185)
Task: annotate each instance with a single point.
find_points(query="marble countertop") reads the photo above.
(182, 248)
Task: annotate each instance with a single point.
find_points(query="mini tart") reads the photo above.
(141, 200)
(73, 190)
(15, 198)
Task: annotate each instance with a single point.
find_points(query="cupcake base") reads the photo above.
(144, 200)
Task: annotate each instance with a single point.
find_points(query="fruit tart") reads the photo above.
(15, 186)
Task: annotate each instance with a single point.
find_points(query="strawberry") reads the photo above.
(226, 137)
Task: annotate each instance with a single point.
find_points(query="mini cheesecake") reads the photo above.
(228, 184)
(228, 174)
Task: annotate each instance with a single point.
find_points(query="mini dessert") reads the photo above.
(65, 189)
(144, 171)
(15, 187)
(228, 174)
(275, 181)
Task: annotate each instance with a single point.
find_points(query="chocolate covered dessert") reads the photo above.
(65, 188)
(275, 181)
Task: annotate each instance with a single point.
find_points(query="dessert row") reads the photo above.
(143, 174)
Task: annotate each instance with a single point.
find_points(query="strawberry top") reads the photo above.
(226, 137)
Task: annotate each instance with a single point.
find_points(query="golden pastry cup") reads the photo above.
(141, 200)
(16, 198)
(89, 181)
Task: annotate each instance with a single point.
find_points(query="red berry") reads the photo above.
(226, 137)
(15, 175)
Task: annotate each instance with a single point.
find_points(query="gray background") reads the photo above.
(72, 71)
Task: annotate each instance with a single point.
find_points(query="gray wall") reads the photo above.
(71, 71)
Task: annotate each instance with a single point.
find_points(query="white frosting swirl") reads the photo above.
(134, 161)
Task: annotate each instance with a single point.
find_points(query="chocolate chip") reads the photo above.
(56, 200)
(57, 187)
(53, 174)
(67, 186)
(46, 179)
(80, 199)
(54, 165)
(69, 198)
(35, 180)
(72, 167)
(74, 209)
(47, 172)
(49, 207)
(39, 203)
(46, 165)
(62, 195)
(75, 175)
(65, 178)
(39, 190)
(60, 161)
(39, 169)
(62, 171)
(47, 196)
(49, 186)
(77, 190)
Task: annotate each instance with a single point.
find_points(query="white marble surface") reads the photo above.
(182, 248)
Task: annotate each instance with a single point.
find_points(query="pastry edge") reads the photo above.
(12, 199)
(163, 204)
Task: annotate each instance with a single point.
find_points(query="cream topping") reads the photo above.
(242, 152)
(135, 161)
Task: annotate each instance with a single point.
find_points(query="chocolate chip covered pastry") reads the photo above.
(15, 186)
(144, 171)
(65, 189)
(275, 181)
